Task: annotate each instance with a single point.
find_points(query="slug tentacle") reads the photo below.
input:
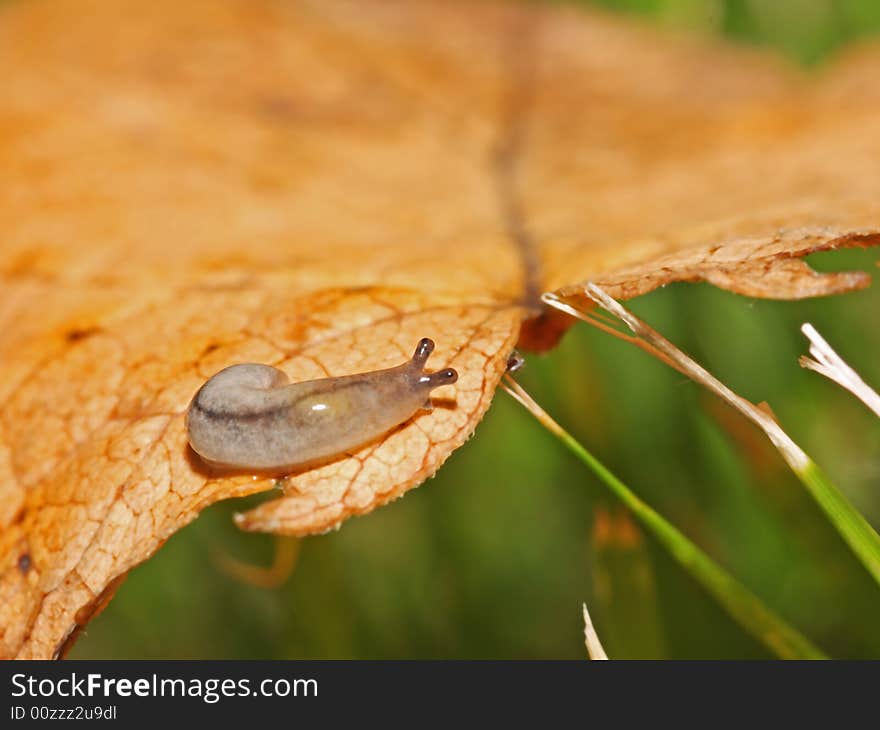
(420, 358)
(248, 416)
(423, 351)
(441, 377)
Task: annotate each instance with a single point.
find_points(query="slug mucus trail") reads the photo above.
(250, 417)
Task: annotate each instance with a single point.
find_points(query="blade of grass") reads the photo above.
(828, 363)
(742, 605)
(862, 539)
(591, 639)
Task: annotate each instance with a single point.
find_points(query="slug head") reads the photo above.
(429, 381)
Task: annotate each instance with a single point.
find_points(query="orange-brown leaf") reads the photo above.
(316, 186)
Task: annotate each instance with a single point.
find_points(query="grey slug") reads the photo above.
(249, 416)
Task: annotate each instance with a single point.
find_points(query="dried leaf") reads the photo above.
(316, 186)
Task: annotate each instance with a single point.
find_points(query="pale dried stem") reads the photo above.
(591, 638)
(523, 398)
(604, 323)
(828, 363)
(790, 451)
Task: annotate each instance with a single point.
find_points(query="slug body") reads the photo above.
(248, 416)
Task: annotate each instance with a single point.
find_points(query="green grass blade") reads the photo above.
(858, 533)
(855, 529)
(861, 537)
(740, 603)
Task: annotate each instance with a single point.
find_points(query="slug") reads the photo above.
(249, 417)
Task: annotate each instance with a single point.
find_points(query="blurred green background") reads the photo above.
(493, 557)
